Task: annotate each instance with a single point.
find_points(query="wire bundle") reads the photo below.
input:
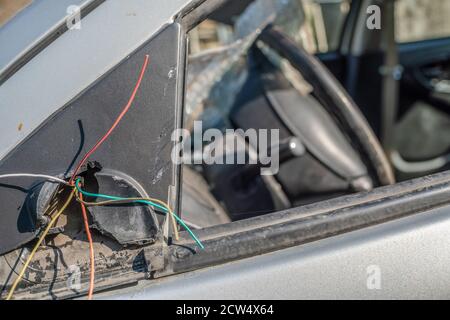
(161, 206)
(78, 192)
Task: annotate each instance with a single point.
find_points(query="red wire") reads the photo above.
(124, 111)
(91, 249)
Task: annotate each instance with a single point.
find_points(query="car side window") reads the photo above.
(418, 20)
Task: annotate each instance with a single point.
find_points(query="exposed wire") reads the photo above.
(148, 201)
(32, 175)
(155, 203)
(171, 216)
(91, 248)
(108, 133)
(127, 201)
(38, 243)
(119, 118)
(78, 192)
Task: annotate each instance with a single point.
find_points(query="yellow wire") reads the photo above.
(103, 203)
(64, 207)
(172, 218)
(36, 247)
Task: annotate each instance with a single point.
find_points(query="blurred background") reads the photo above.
(9, 8)
(325, 20)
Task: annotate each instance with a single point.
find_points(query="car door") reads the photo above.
(384, 243)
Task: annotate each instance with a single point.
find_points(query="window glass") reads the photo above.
(418, 20)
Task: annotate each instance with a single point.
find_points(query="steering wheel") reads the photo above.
(330, 93)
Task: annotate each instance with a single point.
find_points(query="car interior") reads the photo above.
(389, 123)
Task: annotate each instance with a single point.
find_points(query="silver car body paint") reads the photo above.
(67, 66)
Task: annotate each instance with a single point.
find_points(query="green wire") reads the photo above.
(148, 202)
